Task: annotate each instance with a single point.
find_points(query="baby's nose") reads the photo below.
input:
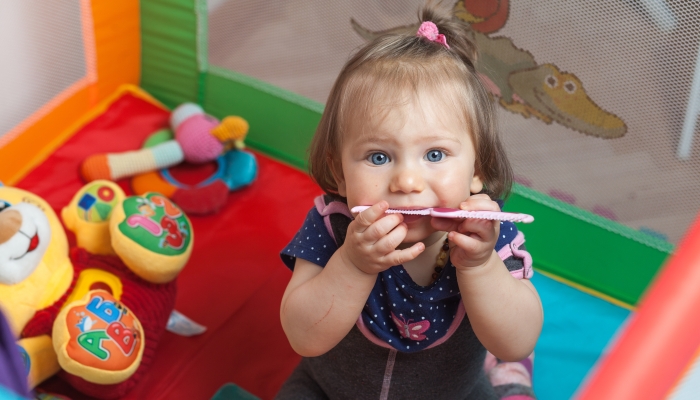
(408, 180)
(10, 222)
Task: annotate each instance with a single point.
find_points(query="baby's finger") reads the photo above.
(467, 243)
(483, 228)
(366, 218)
(398, 257)
(392, 240)
(479, 202)
(382, 227)
(445, 224)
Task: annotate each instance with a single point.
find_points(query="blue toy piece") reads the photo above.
(235, 169)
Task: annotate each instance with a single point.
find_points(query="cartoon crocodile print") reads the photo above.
(513, 76)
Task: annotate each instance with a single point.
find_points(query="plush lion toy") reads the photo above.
(93, 313)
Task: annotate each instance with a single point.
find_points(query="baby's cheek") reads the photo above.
(450, 201)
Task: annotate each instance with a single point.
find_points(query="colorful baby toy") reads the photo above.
(94, 313)
(198, 138)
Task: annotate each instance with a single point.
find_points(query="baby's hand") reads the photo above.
(372, 238)
(474, 239)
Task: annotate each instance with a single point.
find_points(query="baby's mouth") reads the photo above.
(407, 218)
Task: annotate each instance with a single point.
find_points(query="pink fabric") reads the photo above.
(198, 144)
(513, 249)
(508, 373)
(429, 31)
(386, 383)
(320, 207)
(489, 362)
(332, 208)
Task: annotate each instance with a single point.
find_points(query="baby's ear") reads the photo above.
(477, 185)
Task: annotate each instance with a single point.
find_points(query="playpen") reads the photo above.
(91, 76)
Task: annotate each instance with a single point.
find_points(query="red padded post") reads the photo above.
(662, 337)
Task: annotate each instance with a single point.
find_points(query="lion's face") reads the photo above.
(25, 234)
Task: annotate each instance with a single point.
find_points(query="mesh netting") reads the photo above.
(42, 54)
(593, 95)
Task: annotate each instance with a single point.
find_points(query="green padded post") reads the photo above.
(281, 123)
(169, 67)
(587, 249)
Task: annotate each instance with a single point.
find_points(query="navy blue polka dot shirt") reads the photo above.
(401, 313)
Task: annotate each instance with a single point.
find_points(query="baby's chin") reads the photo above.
(427, 236)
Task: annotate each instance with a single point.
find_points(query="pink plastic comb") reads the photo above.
(457, 213)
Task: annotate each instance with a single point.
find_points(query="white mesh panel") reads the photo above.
(299, 45)
(42, 54)
(632, 67)
(634, 59)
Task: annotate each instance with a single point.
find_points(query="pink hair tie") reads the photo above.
(429, 31)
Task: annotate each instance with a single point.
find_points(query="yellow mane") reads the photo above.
(51, 278)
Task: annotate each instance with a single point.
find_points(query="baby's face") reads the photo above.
(415, 157)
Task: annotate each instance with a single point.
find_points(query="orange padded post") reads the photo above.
(112, 42)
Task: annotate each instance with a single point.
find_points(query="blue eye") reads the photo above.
(434, 155)
(378, 158)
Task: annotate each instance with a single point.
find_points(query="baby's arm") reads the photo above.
(505, 313)
(320, 305)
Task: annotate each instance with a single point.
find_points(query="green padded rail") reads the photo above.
(281, 123)
(587, 249)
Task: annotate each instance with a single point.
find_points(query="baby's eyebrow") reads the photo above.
(374, 138)
(380, 138)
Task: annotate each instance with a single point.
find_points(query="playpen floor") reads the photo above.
(234, 281)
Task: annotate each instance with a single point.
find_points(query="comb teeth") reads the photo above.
(421, 211)
(424, 211)
(498, 216)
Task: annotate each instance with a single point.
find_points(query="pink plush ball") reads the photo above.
(196, 140)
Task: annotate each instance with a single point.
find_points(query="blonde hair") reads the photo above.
(405, 63)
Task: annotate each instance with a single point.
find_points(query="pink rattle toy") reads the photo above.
(198, 138)
(457, 213)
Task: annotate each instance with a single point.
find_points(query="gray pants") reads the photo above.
(359, 369)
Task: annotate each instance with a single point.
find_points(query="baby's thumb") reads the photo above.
(445, 224)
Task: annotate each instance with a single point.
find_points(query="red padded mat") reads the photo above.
(234, 281)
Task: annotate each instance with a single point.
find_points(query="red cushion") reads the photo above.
(234, 281)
